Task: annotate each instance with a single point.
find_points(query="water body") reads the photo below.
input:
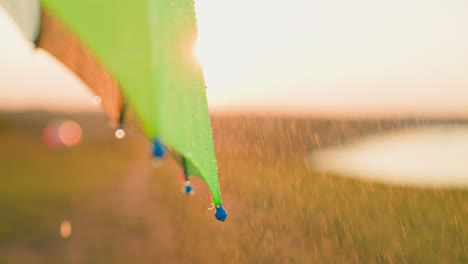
(435, 156)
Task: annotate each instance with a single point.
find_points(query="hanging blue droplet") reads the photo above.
(188, 189)
(221, 213)
(158, 149)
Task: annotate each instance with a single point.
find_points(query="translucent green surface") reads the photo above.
(148, 46)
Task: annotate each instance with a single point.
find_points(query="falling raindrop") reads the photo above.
(65, 229)
(188, 189)
(119, 133)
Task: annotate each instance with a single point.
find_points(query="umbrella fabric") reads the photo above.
(61, 43)
(26, 14)
(141, 52)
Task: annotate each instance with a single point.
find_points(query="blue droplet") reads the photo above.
(158, 149)
(220, 214)
(188, 189)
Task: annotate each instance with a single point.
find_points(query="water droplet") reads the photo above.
(119, 133)
(97, 100)
(65, 229)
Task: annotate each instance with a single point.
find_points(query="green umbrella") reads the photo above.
(137, 53)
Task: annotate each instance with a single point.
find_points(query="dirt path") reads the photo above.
(126, 220)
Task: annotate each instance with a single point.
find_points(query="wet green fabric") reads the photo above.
(148, 46)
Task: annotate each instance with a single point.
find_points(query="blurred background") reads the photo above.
(341, 132)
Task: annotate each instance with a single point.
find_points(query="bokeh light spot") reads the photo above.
(120, 133)
(62, 134)
(65, 229)
(70, 133)
(97, 100)
(51, 136)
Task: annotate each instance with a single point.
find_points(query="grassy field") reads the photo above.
(124, 211)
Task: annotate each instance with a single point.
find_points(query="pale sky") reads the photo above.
(361, 56)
